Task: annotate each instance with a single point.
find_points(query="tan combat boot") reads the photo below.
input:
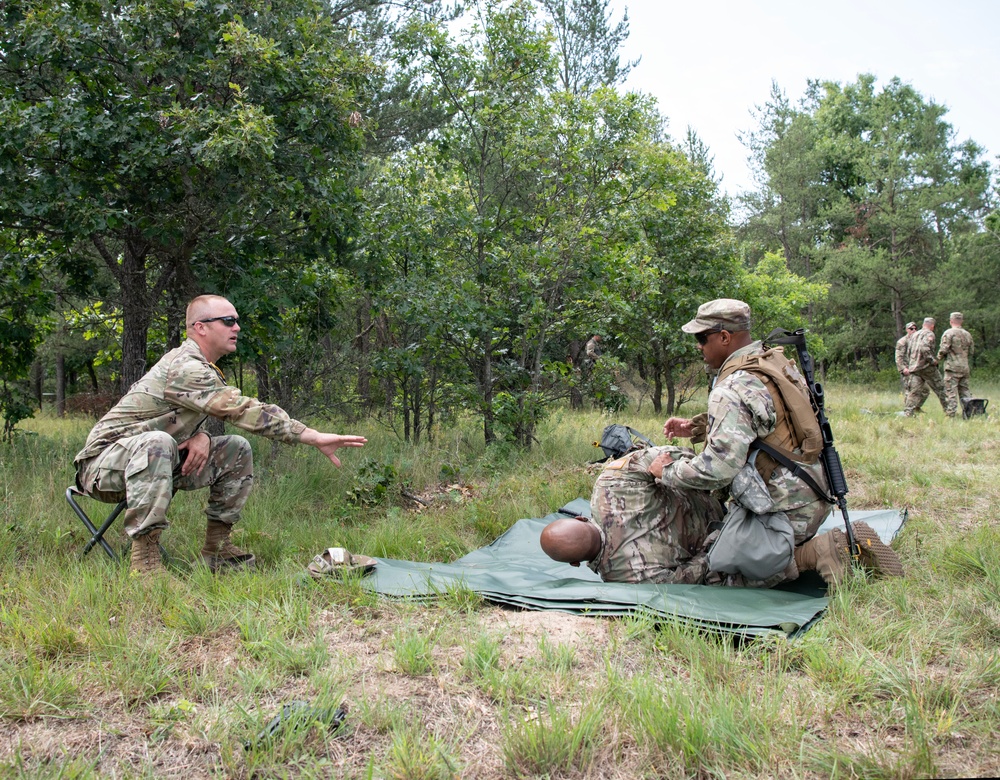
(146, 559)
(221, 554)
(827, 554)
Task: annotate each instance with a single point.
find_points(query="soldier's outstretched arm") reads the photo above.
(677, 427)
(329, 443)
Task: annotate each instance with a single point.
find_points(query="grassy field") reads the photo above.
(104, 675)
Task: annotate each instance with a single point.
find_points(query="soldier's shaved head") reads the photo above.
(571, 540)
(203, 307)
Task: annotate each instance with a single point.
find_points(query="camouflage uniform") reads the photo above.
(133, 450)
(740, 410)
(903, 360)
(924, 375)
(956, 349)
(650, 532)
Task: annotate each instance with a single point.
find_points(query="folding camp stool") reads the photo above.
(96, 534)
(974, 407)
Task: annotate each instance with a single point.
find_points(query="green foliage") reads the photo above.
(516, 417)
(24, 302)
(868, 190)
(231, 146)
(376, 484)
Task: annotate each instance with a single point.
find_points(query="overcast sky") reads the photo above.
(710, 62)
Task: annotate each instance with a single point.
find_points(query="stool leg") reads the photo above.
(99, 535)
(96, 534)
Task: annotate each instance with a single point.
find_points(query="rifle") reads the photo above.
(831, 459)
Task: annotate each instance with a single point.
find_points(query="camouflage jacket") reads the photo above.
(956, 349)
(649, 532)
(922, 350)
(176, 396)
(903, 353)
(740, 410)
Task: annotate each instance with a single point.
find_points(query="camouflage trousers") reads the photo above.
(921, 384)
(652, 533)
(956, 388)
(146, 469)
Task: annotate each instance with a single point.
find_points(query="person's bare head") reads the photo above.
(929, 323)
(957, 318)
(212, 323)
(571, 540)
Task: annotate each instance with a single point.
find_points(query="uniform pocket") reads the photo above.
(137, 463)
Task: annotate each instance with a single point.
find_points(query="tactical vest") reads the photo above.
(796, 426)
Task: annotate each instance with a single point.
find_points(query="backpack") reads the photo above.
(617, 440)
(797, 426)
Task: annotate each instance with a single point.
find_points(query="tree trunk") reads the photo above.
(361, 347)
(37, 380)
(668, 372)
(656, 369)
(264, 393)
(95, 386)
(60, 384)
(486, 385)
(175, 326)
(137, 313)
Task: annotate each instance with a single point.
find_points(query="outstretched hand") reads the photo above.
(329, 443)
(677, 427)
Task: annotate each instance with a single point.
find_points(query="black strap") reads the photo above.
(639, 436)
(795, 468)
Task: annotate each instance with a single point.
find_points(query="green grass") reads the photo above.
(107, 675)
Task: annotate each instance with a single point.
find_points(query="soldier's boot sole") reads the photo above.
(874, 554)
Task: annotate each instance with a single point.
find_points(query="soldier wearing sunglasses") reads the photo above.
(154, 443)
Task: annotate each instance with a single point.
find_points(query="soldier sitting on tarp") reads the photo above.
(650, 507)
(152, 443)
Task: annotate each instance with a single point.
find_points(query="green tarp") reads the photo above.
(513, 570)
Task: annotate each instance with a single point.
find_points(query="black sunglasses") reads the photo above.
(227, 321)
(702, 338)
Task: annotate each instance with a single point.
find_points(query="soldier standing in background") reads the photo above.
(922, 370)
(593, 348)
(903, 355)
(956, 350)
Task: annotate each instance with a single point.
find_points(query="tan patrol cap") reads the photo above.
(911, 324)
(720, 314)
(957, 315)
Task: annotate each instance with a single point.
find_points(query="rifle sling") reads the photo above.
(794, 467)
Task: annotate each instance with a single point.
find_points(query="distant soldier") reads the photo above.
(922, 370)
(903, 355)
(956, 350)
(593, 348)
